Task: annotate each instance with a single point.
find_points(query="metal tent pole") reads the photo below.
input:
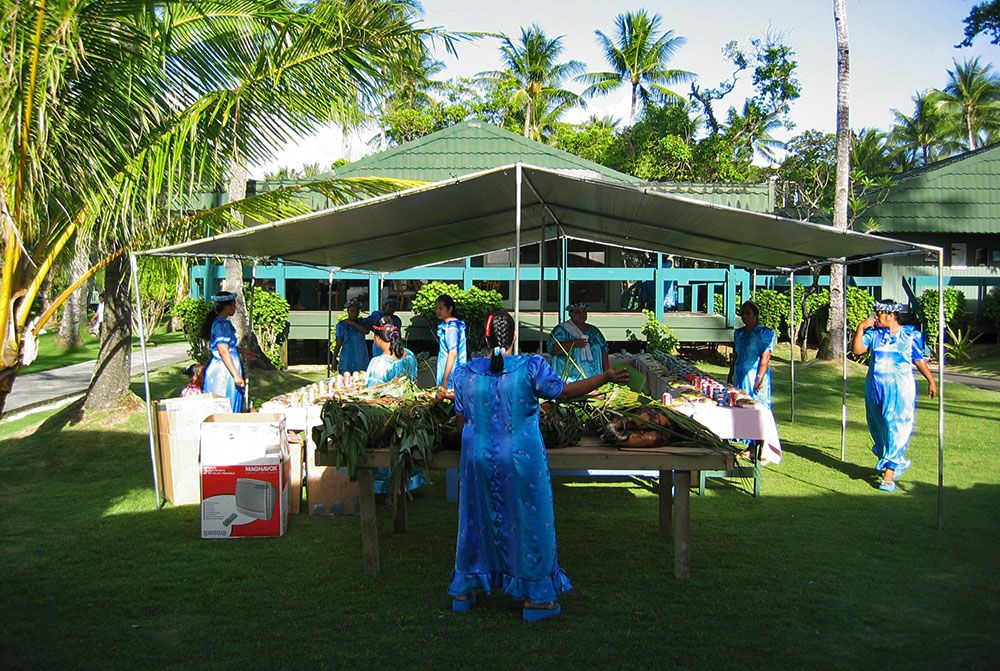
(145, 382)
(843, 391)
(246, 367)
(517, 259)
(329, 323)
(791, 333)
(753, 286)
(940, 355)
(541, 292)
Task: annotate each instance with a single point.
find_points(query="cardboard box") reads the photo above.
(329, 491)
(178, 428)
(245, 476)
(296, 454)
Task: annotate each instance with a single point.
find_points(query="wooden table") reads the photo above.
(675, 464)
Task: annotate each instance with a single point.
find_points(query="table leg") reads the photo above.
(399, 512)
(369, 529)
(682, 524)
(666, 501)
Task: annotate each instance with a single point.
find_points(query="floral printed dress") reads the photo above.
(891, 393)
(218, 380)
(506, 522)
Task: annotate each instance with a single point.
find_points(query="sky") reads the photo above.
(898, 47)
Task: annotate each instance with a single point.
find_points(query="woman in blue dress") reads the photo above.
(506, 522)
(750, 369)
(224, 373)
(452, 350)
(890, 389)
(578, 349)
(393, 361)
(350, 354)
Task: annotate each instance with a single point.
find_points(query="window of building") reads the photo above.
(958, 252)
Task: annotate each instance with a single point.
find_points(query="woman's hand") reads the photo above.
(867, 324)
(616, 375)
(760, 383)
(240, 382)
(932, 389)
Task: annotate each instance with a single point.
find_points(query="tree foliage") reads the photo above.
(983, 18)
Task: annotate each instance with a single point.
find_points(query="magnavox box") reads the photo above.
(245, 476)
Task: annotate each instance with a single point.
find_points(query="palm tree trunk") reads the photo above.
(527, 120)
(833, 346)
(76, 305)
(114, 360)
(631, 110)
(237, 190)
(972, 136)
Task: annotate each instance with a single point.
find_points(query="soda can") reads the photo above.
(667, 398)
(732, 398)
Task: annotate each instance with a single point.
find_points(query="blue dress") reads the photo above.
(354, 351)
(506, 522)
(891, 393)
(749, 348)
(383, 368)
(560, 362)
(451, 337)
(218, 379)
(372, 319)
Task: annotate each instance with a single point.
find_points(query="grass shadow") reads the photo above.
(823, 458)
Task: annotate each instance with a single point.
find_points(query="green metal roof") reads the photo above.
(956, 195)
(471, 147)
(753, 197)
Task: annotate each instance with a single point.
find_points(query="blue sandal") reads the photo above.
(539, 614)
(463, 605)
(887, 486)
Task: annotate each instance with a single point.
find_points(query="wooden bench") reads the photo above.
(675, 464)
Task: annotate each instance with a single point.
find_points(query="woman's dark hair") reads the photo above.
(386, 331)
(206, 326)
(499, 337)
(193, 369)
(448, 302)
(752, 306)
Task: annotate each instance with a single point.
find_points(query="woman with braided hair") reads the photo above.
(506, 523)
(890, 389)
(394, 361)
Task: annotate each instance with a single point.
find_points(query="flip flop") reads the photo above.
(887, 486)
(539, 614)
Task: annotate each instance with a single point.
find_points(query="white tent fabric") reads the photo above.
(473, 215)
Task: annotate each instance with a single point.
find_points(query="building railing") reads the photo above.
(695, 288)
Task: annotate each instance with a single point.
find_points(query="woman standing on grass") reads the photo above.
(224, 373)
(750, 369)
(506, 523)
(452, 350)
(890, 389)
(350, 353)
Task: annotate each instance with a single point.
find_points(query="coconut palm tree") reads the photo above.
(972, 96)
(115, 111)
(926, 135)
(533, 63)
(833, 346)
(750, 130)
(638, 54)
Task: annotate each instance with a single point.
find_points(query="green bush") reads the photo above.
(472, 305)
(269, 314)
(991, 307)
(659, 337)
(954, 310)
(192, 312)
(859, 308)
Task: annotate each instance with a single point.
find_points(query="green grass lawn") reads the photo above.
(985, 362)
(52, 355)
(823, 571)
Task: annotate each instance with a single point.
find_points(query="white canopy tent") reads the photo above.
(514, 205)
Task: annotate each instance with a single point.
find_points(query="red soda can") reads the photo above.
(732, 398)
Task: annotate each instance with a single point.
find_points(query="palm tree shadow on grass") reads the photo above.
(818, 456)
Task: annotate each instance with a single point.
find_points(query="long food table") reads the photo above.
(675, 464)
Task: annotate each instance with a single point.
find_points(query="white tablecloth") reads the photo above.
(728, 423)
